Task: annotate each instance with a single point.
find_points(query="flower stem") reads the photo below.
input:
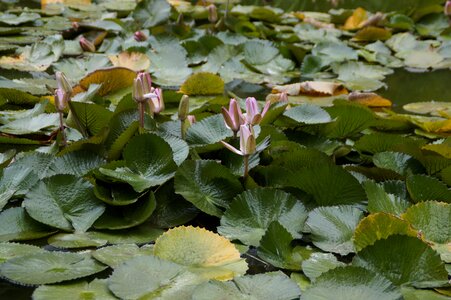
(63, 135)
(182, 129)
(246, 166)
(141, 114)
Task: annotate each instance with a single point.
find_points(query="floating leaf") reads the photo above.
(402, 259)
(432, 219)
(350, 283)
(208, 131)
(75, 240)
(268, 286)
(92, 117)
(203, 252)
(116, 194)
(149, 276)
(432, 107)
(308, 114)
(13, 179)
(275, 248)
(332, 228)
(400, 163)
(381, 201)
(75, 163)
(203, 83)
(152, 12)
(148, 161)
(12, 250)
(65, 202)
(319, 263)
(372, 33)
(98, 289)
(45, 122)
(356, 20)
(114, 256)
(329, 185)
(111, 79)
(49, 267)
(379, 226)
(135, 61)
(18, 225)
(127, 216)
(251, 213)
(122, 128)
(207, 184)
(423, 188)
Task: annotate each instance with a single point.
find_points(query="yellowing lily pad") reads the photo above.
(356, 20)
(203, 83)
(203, 251)
(111, 79)
(372, 33)
(432, 108)
(369, 99)
(135, 61)
(322, 88)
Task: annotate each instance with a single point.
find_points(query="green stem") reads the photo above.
(246, 166)
(182, 129)
(141, 114)
(63, 135)
(227, 10)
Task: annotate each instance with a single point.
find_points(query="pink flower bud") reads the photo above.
(233, 117)
(139, 36)
(155, 100)
(191, 119)
(183, 108)
(212, 13)
(87, 45)
(62, 83)
(253, 115)
(247, 142)
(448, 8)
(61, 99)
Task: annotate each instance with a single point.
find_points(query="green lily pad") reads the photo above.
(123, 127)
(208, 131)
(332, 228)
(252, 212)
(423, 188)
(114, 256)
(149, 276)
(308, 114)
(432, 219)
(18, 225)
(49, 267)
(379, 226)
(122, 217)
(152, 12)
(65, 202)
(12, 250)
(14, 179)
(75, 240)
(207, 184)
(92, 117)
(97, 289)
(400, 163)
(268, 286)
(350, 283)
(77, 163)
(402, 259)
(45, 122)
(381, 201)
(275, 248)
(319, 263)
(147, 163)
(117, 194)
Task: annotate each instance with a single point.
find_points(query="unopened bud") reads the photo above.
(63, 84)
(448, 8)
(191, 119)
(183, 108)
(61, 99)
(212, 13)
(75, 25)
(139, 36)
(87, 45)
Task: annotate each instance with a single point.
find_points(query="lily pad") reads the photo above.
(402, 259)
(202, 252)
(251, 213)
(207, 184)
(116, 255)
(350, 283)
(98, 289)
(49, 267)
(423, 188)
(319, 263)
(12, 250)
(65, 202)
(332, 228)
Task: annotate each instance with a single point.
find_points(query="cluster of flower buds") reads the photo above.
(63, 92)
(87, 45)
(237, 121)
(144, 92)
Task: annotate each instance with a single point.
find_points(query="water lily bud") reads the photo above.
(139, 36)
(448, 8)
(212, 13)
(183, 108)
(137, 91)
(75, 25)
(146, 82)
(233, 117)
(87, 45)
(253, 114)
(248, 144)
(61, 99)
(191, 119)
(156, 101)
(62, 83)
